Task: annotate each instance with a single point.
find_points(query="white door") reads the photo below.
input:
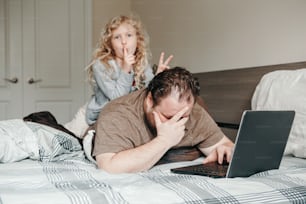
(10, 60)
(46, 50)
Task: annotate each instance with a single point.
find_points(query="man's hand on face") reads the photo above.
(172, 131)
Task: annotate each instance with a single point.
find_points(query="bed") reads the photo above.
(66, 175)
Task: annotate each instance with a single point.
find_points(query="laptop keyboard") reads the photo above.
(212, 169)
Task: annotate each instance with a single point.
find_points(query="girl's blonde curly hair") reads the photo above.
(104, 51)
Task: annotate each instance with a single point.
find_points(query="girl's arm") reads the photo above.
(148, 72)
(113, 83)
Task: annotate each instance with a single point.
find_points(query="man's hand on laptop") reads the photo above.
(220, 152)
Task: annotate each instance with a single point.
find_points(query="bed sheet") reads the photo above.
(78, 181)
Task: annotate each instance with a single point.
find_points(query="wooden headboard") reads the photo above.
(228, 93)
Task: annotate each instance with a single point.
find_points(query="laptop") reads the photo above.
(260, 143)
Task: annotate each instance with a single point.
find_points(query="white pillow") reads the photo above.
(78, 124)
(285, 90)
(87, 145)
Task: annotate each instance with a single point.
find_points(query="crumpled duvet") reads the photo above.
(20, 140)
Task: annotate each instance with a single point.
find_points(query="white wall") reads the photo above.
(103, 11)
(206, 35)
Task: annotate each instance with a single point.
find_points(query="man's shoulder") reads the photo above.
(198, 112)
(200, 118)
(127, 103)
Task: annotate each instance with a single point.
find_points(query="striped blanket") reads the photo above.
(76, 180)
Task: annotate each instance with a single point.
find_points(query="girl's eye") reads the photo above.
(116, 37)
(129, 35)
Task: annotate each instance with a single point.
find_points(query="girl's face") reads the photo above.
(124, 37)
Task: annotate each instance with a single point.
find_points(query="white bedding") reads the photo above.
(285, 90)
(17, 141)
(21, 140)
(77, 180)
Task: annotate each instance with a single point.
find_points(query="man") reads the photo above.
(133, 132)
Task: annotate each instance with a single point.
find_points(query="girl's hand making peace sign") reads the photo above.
(163, 65)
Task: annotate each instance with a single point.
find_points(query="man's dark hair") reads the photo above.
(176, 78)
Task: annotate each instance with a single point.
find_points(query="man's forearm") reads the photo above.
(133, 160)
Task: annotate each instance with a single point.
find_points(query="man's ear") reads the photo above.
(149, 100)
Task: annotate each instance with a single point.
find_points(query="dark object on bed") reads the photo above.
(46, 118)
(180, 154)
(228, 93)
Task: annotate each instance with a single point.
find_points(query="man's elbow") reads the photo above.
(107, 162)
(105, 167)
(104, 162)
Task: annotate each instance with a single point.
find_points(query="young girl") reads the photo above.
(120, 64)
